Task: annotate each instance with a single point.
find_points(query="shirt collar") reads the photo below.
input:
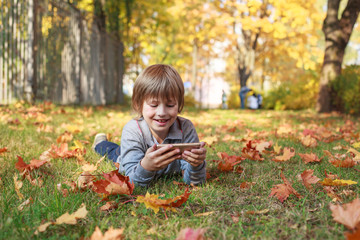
(175, 132)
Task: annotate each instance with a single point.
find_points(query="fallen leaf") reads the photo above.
(356, 153)
(288, 153)
(308, 141)
(110, 205)
(250, 152)
(282, 191)
(258, 212)
(355, 235)
(3, 150)
(347, 214)
(246, 185)
(356, 145)
(228, 163)
(191, 234)
(346, 163)
(66, 218)
(24, 204)
(337, 182)
(277, 148)
(34, 164)
(155, 203)
(110, 234)
(113, 184)
(331, 193)
(308, 178)
(65, 137)
(18, 185)
(203, 214)
(309, 157)
(72, 218)
(85, 180)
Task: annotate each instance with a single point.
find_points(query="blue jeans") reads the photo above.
(112, 150)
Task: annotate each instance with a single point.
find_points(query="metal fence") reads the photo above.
(50, 51)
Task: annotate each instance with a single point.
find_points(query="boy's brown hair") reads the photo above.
(159, 81)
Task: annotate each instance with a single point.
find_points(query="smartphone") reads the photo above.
(182, 146)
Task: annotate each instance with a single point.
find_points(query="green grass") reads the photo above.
(305, 218)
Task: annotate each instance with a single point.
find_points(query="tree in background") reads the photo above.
(337, 34)
(268, 32)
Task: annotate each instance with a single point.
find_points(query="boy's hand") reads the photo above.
(196, 156)
(157, 159)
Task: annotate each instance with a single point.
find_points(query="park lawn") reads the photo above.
(221, 207)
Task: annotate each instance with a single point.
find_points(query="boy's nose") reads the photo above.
(161, 110)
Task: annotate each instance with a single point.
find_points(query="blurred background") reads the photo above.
(296, 54)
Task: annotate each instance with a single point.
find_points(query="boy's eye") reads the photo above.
(170, 105)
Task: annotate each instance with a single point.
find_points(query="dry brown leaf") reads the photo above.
(203, 214)
(347, 214)
(18, 184)
(308, 141)
(308, 178)
(309, 157)
(65, 218)
(288, 153)
(71, 218)
(24, 204)
(282, 191)
(111, 234)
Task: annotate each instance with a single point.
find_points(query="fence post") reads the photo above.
(31, 83)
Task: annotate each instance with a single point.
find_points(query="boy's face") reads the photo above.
(159, 115)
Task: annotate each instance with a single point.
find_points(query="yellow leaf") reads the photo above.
(203, 214)
(337, 182)
(356, 145)
(78, 145)
(346, 182)
(149, 200)
(277, 148)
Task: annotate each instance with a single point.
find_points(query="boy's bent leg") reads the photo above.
(112, 150)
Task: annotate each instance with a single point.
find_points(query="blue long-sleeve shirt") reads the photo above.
(136, 139)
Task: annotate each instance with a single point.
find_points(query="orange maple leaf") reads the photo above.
(2, 150)
(152, 201)
(308, 178)
(250, 152)
(64, 152)
(355, 235)
(228, 163)
(113, 184)
(287, 154)
(309, 157)
(348, 162)
(347, 214)
(282, 191)
(65, 137)
(34, 164)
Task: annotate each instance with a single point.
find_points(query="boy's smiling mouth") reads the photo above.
(161, 120)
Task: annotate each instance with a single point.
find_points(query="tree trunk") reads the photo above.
(337, 34)
(246, 57)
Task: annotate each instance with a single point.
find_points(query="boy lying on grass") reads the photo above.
(158, 98)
